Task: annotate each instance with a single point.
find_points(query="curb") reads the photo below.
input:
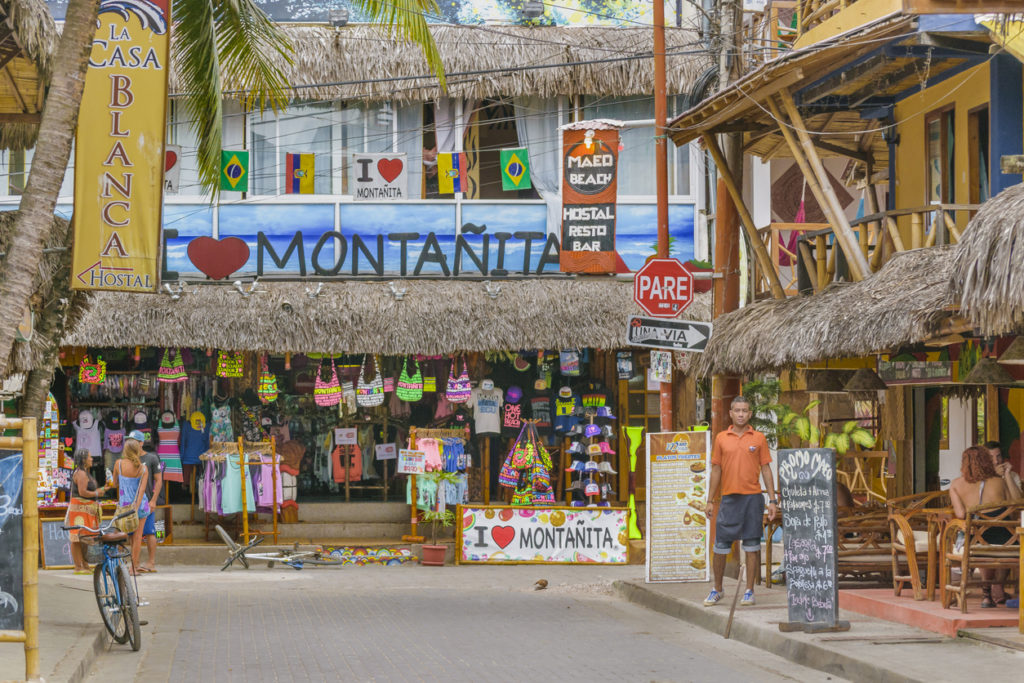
(793, 648)
(77, 664)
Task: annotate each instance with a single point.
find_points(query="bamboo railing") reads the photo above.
(879, 236)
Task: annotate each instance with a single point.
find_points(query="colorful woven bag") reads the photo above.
(172, 368)
(459, 389)
(266, 389)
(370, 394)
(327, 392)
(92, 373)
(410, 387)
(230, 363)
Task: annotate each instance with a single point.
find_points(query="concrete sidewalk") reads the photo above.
(872, 649)
(70, 631)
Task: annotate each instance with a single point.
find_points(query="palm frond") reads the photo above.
(232, 39)
(408, 19)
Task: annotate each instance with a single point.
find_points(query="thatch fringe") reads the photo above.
(53, 303)
(433, 316)
(37, 34)
(987, 277)
(361, 52)
(902, 304)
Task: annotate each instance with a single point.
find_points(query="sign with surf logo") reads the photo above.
(678, 468)
(119, 149)
(541, 535)
(589, 195)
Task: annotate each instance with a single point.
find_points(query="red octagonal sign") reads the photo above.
(663, 288)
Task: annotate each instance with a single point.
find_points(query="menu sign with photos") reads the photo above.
(678, 467)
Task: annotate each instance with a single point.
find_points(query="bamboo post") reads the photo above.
(862, 238)
(760, 253)
(486, 457)
(413, 510)
(894, 233)
(844, 233)
(916, 231)
(821, 260)
(273, 483)
(30, 549)
(951, 226)
(245, 513)
(810, 262)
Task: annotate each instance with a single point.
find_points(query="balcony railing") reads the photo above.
(806, 255)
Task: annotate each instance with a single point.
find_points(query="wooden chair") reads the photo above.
(977, 553)
(863, 545)
(908, 530)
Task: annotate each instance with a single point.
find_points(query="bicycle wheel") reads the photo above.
(129, 606)
(104, 585)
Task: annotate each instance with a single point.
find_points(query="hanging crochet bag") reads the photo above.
(327, 392)
(92, 373)
(370, 394)
(410, 387)
(172, 368)
(266, 389)
(459, 389)
(229, 363)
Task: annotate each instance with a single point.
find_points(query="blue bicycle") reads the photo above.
(115, 587)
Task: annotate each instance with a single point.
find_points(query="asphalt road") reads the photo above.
(422, 624)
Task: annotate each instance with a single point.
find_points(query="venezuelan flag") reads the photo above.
(299, 173)
(451, 172)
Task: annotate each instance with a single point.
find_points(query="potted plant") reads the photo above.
(433, 554)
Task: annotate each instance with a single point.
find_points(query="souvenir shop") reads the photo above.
(529, 427)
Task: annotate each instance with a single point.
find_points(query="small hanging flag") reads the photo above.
(515, 169)
(299, 173)
(234, 170)
(451, 172)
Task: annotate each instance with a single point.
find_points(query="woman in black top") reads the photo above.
(83, 508)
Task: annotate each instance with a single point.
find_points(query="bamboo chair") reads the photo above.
(977, 553)
(908, 529)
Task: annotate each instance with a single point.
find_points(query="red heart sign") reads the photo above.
(170, 159)
(389, 169)
(218, 258)
(503, 535)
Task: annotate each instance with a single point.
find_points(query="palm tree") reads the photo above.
(217, 39)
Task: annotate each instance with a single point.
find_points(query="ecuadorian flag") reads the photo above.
(299, 174)
(451, 172)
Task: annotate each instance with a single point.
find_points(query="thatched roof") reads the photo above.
(52, 298)
(27, 55)
(987, 276)
(352, 54)
(901, 304)
(433, 316)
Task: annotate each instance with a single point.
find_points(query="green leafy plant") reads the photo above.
(443, 517)
(801, 426)
(766, 410)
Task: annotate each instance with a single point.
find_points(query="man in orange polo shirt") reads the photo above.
(739, 455)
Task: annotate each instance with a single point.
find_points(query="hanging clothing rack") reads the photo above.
(414, 434)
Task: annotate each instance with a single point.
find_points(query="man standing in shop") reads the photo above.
(155, 481)
(739, 455)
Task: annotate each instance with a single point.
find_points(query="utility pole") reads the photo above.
(661, 176)
(727, 227)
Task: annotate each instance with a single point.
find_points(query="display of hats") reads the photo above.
(573, 486)
(576, 466)
(593, 449)
(605, 448)
(578, 503)
(605, 412)
(576, 447)
(608, 431)
(591, 489)
(591, 430)
(606, 467)
(565, 392)
(590, 466)
(513, 394)
(139, 418)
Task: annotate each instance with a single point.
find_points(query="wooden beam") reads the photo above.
(760, 253)
(844, 233)
(811, 265)
(881, 85)
(842, 151)
(837, 80)
(20, 118)
(14, 87)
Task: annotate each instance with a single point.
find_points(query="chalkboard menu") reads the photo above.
(55, 544)
(807, 485)
(12, 604)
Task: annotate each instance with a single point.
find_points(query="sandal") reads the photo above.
(986, 600)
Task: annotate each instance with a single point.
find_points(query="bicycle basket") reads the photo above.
(91, 550)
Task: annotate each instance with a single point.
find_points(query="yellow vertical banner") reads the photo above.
(119, 149)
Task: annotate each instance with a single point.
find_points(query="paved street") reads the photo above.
(419, 623)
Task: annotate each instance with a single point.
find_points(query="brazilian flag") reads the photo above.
(234, 170)
(515, 169)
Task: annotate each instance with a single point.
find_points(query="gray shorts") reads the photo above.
(740, 518)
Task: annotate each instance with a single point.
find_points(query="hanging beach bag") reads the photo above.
(410, 387)
(370, 394)
(569, 362)
(459, 389)
(129, 523)
(172, 369)
(327, 392)
(229, 363)
(92, 373)
(266, 389)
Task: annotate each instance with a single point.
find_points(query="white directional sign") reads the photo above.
(674, 335)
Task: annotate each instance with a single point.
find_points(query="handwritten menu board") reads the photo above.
(12, 604)
(677, 528)
(807, 485)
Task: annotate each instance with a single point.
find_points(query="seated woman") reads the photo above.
(980, 485)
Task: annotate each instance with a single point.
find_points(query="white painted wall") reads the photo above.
(960, 416)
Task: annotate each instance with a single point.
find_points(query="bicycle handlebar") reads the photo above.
(97, 530)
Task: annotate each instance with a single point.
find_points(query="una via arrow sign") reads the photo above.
(674, 335)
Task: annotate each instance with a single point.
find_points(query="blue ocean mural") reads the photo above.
(370, 220)
(191, 221)
(279, 223)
